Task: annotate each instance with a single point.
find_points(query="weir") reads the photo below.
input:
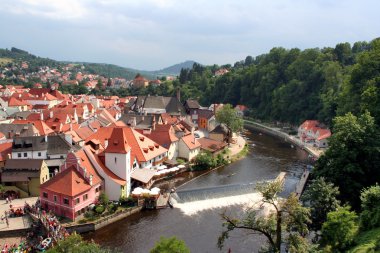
(183, 196)
(214, 192)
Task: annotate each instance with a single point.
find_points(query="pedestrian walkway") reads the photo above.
(235, 148)
(15, 223)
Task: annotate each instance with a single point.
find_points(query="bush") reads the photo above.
(99, 209)
(103, 199)
(82, 221)
(170, 245)
(90, 215)
(112, 208)
(181, 161)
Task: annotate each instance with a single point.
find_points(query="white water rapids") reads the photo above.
(246, 201)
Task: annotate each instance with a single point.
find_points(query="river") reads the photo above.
(199, 223)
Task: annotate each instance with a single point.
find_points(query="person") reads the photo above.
(7, 221)
(7, 200)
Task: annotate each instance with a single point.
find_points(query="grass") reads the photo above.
(4, 61)
(367, 242)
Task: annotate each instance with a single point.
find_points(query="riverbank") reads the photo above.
(278, 132)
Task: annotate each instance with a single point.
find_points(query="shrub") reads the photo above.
(99, 209)
(103, 199)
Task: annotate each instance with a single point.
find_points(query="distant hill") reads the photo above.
(175, 69)
(107, 70)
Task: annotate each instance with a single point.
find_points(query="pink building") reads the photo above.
(74, 189)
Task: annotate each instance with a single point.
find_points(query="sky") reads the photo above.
(154, 34)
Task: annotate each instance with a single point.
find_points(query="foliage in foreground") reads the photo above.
(340, 229)
(287, 215)
(321, 197)
(352, 160)
(75, 244)
(170, 245)
(370, 204)
(368, 241)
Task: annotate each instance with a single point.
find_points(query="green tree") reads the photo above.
(370, 204)
(204, 161)
(75, 243)
(340, 229)
(170, 245)
(228, 116)
(321, 197)
(286, 215)
(352, 160)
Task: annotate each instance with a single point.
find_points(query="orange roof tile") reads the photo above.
(39, 124)
(5, 149)
(191, 142)
(118, 143)
(107, 171)
(69, 182)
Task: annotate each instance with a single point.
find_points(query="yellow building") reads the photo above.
(25, 175)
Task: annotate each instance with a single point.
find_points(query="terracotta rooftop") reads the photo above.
(68, 182)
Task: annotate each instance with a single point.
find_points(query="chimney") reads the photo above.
(154, 123)
(51, 114)
(41, 116)
(178, 94)
(45, 138)
(71, 127)
(105, 143)
(91, 179)
(55, 172)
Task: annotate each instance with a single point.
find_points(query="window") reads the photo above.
(66, 201)
(55, 198)
(18, 154)
(85, 197)
(25, 154)
(62, 157)
(115, 159)
(39, 153)
(45, 195)
(97, 189)
(77, 201)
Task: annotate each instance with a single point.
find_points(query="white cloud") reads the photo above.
(151, 33)
(64, 10)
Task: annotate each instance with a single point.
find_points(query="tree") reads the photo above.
(204, 161)
(351, 162)
(170, 245)
(228, 116)
(75, 243)
(286, 215)
(370, 204)
(340, 229)
(321, 197)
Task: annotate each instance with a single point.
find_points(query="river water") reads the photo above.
(198, 223)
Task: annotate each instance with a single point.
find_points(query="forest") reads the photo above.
(292, 85)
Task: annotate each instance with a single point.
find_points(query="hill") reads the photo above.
(175, 69)
(108, 70)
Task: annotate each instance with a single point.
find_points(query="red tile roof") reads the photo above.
(69, 182)
(40, 125)
(118, 143)
(107, 171)
(5, 149)
(143, 148)
(191, 142)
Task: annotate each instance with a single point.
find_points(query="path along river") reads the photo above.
(198, 223)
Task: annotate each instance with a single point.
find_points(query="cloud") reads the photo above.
(60, 10)
(151, 34)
